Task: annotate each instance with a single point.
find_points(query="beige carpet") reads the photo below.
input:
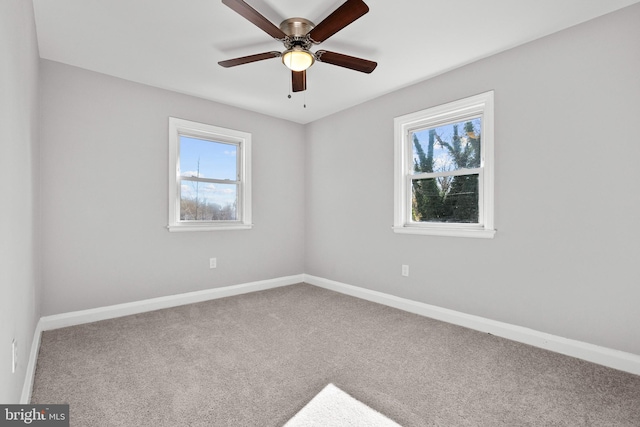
(258, 359)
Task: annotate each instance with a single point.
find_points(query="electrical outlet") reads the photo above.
(14, 356)
(405, 270)
(213, 263)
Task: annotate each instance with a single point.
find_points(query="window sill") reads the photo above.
(208, 227)
(443, 231)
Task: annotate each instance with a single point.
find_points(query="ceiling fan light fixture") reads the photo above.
(297, 59)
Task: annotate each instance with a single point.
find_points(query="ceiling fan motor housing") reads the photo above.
(296, 30)
(299, 27)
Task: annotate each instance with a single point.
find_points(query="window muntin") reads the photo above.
(444, 169)
(210, 186)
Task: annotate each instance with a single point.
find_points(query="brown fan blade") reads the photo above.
(340, 18)
(256, 18)
(247, 59)
(346, 61)
(299, 80)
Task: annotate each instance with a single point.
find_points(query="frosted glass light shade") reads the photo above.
(297, 59)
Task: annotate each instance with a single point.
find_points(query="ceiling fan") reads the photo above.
(298, 35)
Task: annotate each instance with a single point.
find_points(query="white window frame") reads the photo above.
(472, 107)
(242, 140)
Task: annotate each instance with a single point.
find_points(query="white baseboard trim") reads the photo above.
(109, 312)
(620, 360)
(27, 387)
(57, 321)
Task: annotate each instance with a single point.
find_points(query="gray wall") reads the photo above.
(104, 195)
(19, 270)
(565, 257)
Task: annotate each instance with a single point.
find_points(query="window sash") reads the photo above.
(225, 141)
(217, 221)
(239, 189)
(461, 172)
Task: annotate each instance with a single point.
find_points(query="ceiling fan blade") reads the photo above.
(339, 18)
(346, 61)
(299, 80)
(248, 59)
(255, 17)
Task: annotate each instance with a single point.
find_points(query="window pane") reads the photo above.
(207, 159)
(448, 147)
(452, 199)
(204, 201)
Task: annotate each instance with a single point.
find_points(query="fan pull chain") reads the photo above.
(304, 94)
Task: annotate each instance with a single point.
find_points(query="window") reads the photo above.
(444, 169)
(210, 177)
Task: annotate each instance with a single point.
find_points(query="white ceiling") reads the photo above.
(176, 44)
